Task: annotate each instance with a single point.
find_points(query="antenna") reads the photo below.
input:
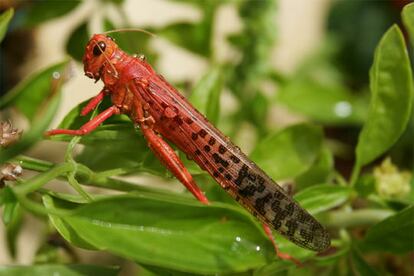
(130, 30)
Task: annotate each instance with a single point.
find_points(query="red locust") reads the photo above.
(162, 112)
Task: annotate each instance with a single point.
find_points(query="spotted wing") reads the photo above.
(232, 169)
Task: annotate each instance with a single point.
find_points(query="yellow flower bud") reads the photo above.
(390, 181)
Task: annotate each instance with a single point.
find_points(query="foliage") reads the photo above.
(170, 232)
(4, 21)
(69, 270)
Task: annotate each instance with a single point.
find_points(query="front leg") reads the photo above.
(94, 102)
(89, 126)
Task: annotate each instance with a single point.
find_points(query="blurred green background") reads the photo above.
(318, 93)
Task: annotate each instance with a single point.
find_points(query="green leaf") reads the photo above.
(357, 26)
(342, 250)
(38, 98)
(105, 156)
(64, 229)
(41, 11)
(259, 110)
(3, 196)
(195, 37)
(319, 81)
(75, 45)
(255, 45)
(319, 172)
(289, 152)
(5, 18)
(106, 152)
(392, 91)
(13, 230)
(410, 196)
(206, 94)
(360, 266)
(365, 185)
(274, 268)
(332, 104)
(188, 237)
(212, 190)
(320, 198)
(58, 269)
(394, 234)
(49, 253)
(29, 94)
(408, 19)
(292, 249)
(148, 270)
(11, 205)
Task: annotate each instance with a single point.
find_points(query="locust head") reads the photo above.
(99, 51)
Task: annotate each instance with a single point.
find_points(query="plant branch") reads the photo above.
(347, 219)
(85, 175)
(39, 180)
(355, 173)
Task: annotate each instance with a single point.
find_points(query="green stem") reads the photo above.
(355, 173)
(67, 197)
(68, 154)
(346, 219)
(38, 209)
(114, 184)
(340, 179)
(118, 171)
(39, 180)
(86, 176)
(71, 175)
(34, 164)
(75, 185)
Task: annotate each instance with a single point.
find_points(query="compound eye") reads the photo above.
(99, 48)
